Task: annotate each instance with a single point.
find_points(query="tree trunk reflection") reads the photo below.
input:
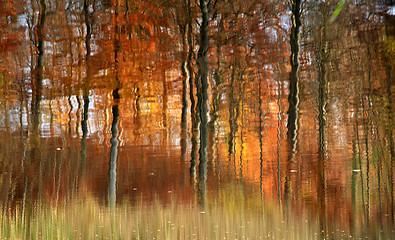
(293, 97)
(86, 82)
(112, 172)
(202, 81)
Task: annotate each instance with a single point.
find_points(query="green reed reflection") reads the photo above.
(232, 217)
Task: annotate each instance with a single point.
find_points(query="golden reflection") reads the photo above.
(210, 106)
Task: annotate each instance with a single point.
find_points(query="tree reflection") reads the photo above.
(37, 83)
(214, 113)
(112, 172)
(202, 82)
(389, 82)
(160, 57)
(322, 122)
(185, 73)
(293, 97)
(37, 93)
(86, 81)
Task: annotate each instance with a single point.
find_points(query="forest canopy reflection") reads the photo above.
(270, 108)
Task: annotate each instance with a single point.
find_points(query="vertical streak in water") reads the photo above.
(322, 57)
(25, 165)
(85, 83)
(54, 157)
(59, 179)
(185, 74)
(323, 101)
(241, 132)
(51, 130)
(322, 96)
(22, 100)
(293, 97)
(38, 71)
(194, 116)
(379, 174)
(202, 100)
(390, 137)
(260, 132)
(84, 127)
(7, 178)
(279, 142)
(366, 131)
(164, 109)
(189, 61)
(392, 154)
(391, 168)
(214, 113)
(186, 70)
(69, 114)
(358, 149)
(184, 27)
(322, 122)
(192, 169)
(37, 86)
(232, 122)
(70, 74)
(217, 157)
(377, 151)
(112, 171)
(194, 135)
(354, 175)
(78, 114)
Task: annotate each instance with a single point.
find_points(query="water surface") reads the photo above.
(197, 119)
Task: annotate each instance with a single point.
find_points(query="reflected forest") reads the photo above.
(197, 119)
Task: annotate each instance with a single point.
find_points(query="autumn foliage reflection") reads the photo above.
(127, 100)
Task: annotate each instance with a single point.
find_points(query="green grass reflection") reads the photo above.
(223, 219)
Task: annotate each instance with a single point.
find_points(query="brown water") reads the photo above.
(181, 102)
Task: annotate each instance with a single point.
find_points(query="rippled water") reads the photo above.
(187, 119)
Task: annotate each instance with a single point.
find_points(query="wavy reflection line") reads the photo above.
(86, 84)
(38, 71)
(260, 133)
(112, 171)
(357, 152)
(390, 119)
(293, 98)
(37, 91)
(214, 115)
(185, 74)
(279, 142)
(241, 131)
(202, 92)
